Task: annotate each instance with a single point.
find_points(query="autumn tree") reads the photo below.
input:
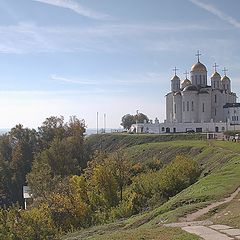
(121, 170)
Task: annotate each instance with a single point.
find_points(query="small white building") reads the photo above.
(193, 105)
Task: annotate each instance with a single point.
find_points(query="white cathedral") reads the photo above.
(194, 106)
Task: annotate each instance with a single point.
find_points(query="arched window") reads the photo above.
(192, 106)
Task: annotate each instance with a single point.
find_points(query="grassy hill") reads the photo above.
(220, 177)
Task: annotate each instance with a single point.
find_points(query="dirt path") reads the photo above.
(205, 229)
(193, 216)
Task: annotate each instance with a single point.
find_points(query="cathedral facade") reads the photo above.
(198, 104)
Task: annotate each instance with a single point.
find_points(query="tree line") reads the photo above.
(62, 143)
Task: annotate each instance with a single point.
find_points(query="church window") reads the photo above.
(200, 77)
(218, 84)
(184, 106)
(187, 106)
(223, 128)
(215, 111)
(192, 106)
(163, 129)
(214, 84)
(175, 108)
(215, 98)
(203, 107)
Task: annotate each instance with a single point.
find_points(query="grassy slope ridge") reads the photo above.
(221, 170)
(112, 142)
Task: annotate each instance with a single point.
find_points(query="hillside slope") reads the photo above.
(220, 177)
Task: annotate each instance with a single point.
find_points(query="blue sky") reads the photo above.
(76, 57)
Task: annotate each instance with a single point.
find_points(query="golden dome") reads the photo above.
(216, 75)
(198, 67)
(225, 78)
(186, 82)
(175, 77)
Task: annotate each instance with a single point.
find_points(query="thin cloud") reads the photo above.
(77, 8)
(70, 80)
(215, 11)
(25, 38)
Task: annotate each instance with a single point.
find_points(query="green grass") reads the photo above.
(215, 186)
(220, 177)
(113, 142)
(156, 233)
(228, 214)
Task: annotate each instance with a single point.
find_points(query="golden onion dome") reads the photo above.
(225, 79)
(175, 77)
(186, 82)
(216, 75)
(198, 67)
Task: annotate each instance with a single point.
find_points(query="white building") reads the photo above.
(197, 104)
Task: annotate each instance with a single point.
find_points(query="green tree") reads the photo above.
(52, 127)
(104, 185)
(120, 168)
(127, 121)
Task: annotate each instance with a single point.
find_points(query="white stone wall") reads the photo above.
(177, 108)
(199, 78)
(232, 114)
(216, 82)
(204, 107)
(169, 107)
(183, 127)
(190, 106)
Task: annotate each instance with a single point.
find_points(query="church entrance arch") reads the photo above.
(216, 129)
(167, 130)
